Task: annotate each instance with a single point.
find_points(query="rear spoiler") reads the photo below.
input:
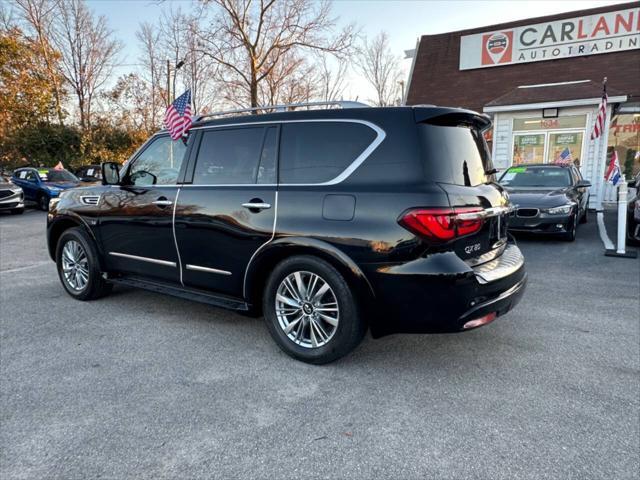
(451, 117)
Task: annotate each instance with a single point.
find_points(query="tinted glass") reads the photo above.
(229, 156)
(316, 152)
(267, 169)
(456, 155)
(159, 163)
(57, 176)
(536, 177)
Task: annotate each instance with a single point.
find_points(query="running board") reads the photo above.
(181, 292)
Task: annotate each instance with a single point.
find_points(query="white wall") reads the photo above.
(592, 161)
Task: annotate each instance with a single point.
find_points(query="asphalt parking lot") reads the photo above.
(140, 385)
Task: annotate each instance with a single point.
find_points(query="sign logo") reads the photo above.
(498, 47)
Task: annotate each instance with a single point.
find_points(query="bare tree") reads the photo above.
(380, 68)
(251, 40)
(154, 75)
(39, 15)
(332, 77)
(88, 52)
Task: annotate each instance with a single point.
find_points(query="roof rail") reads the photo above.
(284, 108)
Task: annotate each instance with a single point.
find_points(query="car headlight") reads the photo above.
(561, 210)
(16, 190)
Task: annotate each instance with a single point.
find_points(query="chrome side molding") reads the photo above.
(198, 268)
(166, 263)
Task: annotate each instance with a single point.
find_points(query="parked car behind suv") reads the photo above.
(328, 222)
(11, 196)
(40, 185)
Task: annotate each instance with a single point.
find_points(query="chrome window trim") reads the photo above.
(273, 234)
(380, 136)
(144, 259)
(198, 268)
(175, 239)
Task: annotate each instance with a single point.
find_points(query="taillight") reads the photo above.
(440, 225)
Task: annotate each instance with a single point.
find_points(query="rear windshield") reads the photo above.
(456, 155)
(536, 177)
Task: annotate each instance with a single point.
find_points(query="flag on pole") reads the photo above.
(177, 118)
(565, 157)
(598, 127)
(614, 174)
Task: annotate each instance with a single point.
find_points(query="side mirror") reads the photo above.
(583, 184)
(110, 173)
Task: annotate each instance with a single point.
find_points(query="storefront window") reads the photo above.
(528, 148)
(565, 147)
(624, 136)
(537, 123)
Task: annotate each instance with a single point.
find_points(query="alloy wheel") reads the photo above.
(75, 265)
(307, 309)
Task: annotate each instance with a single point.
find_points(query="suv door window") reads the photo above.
(159, 163)
(317, 152)
(229, 156)
(267, 169)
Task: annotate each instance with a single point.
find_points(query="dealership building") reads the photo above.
(541, 80)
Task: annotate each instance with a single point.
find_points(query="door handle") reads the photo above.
(256, 205)
(162, 202)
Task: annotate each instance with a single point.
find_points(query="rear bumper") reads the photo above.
(441, 293)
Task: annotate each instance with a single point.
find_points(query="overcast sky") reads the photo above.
(404, 20)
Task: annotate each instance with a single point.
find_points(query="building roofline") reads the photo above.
(553, 104)
(542, 19)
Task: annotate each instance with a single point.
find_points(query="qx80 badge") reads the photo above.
(497, 47)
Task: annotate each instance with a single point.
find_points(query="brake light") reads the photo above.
(440, 225)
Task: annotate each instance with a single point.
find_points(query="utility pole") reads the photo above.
(168, 82)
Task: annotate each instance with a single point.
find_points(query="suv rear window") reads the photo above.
(317, 152)
(455, 154)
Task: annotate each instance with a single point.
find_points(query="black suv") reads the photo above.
(328, 222)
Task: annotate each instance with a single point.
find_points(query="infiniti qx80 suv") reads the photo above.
(327, 222)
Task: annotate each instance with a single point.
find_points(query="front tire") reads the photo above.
(311, 312)
(43, 202)
(570, 236)
(79, 267)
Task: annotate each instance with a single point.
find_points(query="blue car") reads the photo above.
(40, 185)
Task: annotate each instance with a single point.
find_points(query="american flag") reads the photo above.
(177, 118)
(565, 157)
(614, 173)
(598, 127)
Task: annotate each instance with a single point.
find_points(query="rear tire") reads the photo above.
(79, 267)
(329, 324)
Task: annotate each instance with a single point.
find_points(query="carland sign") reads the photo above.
(571, 37)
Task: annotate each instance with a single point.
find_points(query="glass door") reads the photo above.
(528, 148)
(565, 147)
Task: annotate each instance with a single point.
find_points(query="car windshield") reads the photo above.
(57, 176)
(551, 177)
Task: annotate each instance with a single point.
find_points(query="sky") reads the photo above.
(404, 20)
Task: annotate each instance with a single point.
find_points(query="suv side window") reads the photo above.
(159, 163)
(267, 169)
(316, 152)
(229, 156)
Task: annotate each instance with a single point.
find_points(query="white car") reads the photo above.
(11, 197)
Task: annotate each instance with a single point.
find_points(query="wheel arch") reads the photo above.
(59, 225)
(265, 260)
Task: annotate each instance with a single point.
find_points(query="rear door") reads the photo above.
(457, 158)
(227, 206)
(136, 217)
(27, 180)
